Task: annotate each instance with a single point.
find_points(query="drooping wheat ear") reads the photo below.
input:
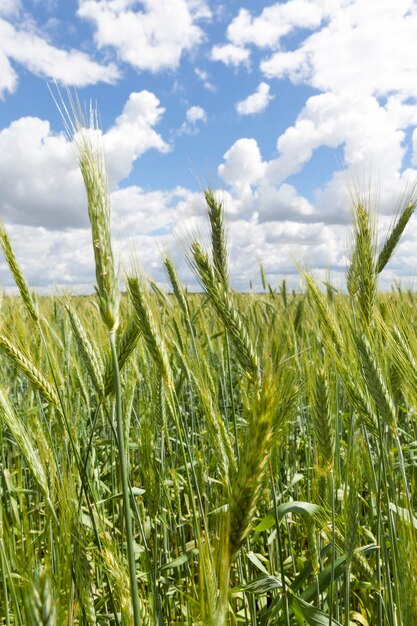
(325, 314)
(16, 271)
(226, 310)
(404, 362)
(119, 579)
(358, 395)
(125, 347)
(215, 212)
(246, 481)
(86, 137)
(394, 236)
(22, 363)
(90, 356)
(358, 558)
(149, 329)
(177, 288)
(23, 438)
(375, 382)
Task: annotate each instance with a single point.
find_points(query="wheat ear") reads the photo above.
(147, 324)
(226, 310)
(22, 363)
(17, 273)
(395, 235)
(90, 356)
(246, 481)
(125, 346)
(215, 212)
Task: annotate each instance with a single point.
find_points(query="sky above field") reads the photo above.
(283, 107)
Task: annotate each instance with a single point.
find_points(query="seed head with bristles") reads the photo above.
(15, 269)
(87, 140)
(215, 212)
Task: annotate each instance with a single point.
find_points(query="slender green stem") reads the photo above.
(281, 556)
(331, 587)
(125, 483)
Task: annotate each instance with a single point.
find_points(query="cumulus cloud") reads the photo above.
(274, 22)
(277, 203)
(230, 54)
(367, 90)
(366, 48)
(331, 120)
(255, 192)
(39, 177)
(266, 29)
(243, 164)
(152, 39)
(193, 117)
(133, 134)
(38, 56)
(342, 120)
(256, 102)
(360, 58)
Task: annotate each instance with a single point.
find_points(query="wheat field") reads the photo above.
(214, 458)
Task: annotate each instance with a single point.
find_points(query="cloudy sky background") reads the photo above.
(281, 106)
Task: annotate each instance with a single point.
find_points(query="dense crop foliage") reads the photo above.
(253, 463)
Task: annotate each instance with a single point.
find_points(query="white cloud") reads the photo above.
(414, 142)
(256, 102)
(64, 260)
(229, 54)
(144, 213)
(205, 79)
(152, 39)
(365, 48)
(243, 165)
(279, 203)
(274, 22)
(267, 29)
(196, 114)
(270, 219)
(341, 120)
(133, 134)
(255, 192)
(39, 177)
(38, 56)
(193, 117)
(8, 77)
(359, 52)
(9, 7)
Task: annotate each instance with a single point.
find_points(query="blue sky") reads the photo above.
(280, 106)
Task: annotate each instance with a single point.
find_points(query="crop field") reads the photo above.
(170, 458)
